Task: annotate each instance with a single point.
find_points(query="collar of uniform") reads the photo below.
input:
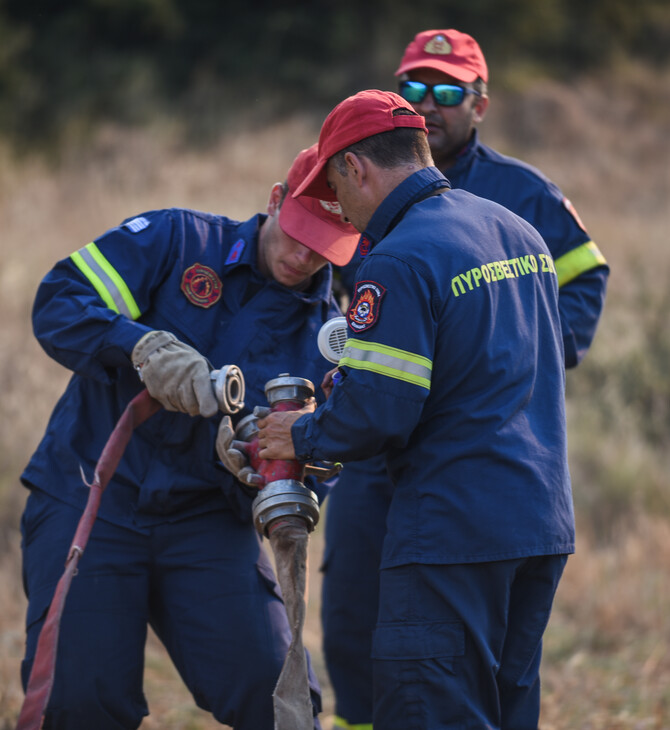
(464, 157)
(248, 233)
(416, 187)
(320, 290)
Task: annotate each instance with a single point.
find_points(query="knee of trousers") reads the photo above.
(88, 691)
(81, 700)
(247, 703)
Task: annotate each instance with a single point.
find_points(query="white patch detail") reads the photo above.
(331, 206)
(137, 224)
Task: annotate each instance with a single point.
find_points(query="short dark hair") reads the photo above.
(480, 85)
(390, 149)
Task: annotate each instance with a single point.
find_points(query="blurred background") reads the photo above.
(112, 107)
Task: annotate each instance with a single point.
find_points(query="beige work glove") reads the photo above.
(234, 459)
(175, 374)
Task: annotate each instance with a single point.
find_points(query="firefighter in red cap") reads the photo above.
(170, 293)
(454, 369)
(444, 76)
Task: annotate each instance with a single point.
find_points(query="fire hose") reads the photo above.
(285, 511)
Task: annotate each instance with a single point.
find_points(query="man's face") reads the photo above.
(284, 259)
(349, 197)
(449, 127)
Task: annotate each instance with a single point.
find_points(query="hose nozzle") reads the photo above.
(229, 388)
(283, 498)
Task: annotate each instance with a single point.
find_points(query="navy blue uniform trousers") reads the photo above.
(350, 586)
(519, 599)
(459, 646)
(205, 586)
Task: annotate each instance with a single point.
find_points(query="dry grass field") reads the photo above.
(606, 142)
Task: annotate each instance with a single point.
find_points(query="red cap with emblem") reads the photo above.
(449, 51)
(357, 117)
(315, 223)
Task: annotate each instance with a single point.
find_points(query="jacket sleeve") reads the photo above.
(387, 364)
(87, 307)
(580, 266)
(580, 303)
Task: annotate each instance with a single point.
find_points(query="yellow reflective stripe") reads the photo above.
(106, 280)
(342, 723)
(389, 361)
(576, 262)
(90, 275)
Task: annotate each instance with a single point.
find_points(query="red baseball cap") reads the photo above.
(449, 51)
(357, 117)
(315, 223)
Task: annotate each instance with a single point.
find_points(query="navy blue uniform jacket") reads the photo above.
(581, 268)
(454, 367)
(195, 275)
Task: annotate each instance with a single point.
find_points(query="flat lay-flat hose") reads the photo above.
(291, 697)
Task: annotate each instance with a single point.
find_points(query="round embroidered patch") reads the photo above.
(364, 308)
(201, 285)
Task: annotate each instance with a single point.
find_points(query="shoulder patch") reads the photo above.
(236, 251)
(573, 212)
(364, 309)
(201, 285)
(137, 224)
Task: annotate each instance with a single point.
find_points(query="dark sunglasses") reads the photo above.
(444, 94)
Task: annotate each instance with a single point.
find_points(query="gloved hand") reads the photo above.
(233, 459)
(175, 374)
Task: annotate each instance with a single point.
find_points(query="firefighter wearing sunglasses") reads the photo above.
(443, 74)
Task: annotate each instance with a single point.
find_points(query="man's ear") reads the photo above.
(356, 167)
(276, 197)
(481, 105)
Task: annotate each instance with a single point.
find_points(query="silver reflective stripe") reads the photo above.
(389, 361)
(105, 280)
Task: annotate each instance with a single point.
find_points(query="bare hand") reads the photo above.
(274, 432)
(327, 383)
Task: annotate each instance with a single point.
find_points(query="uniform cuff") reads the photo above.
(300, 435)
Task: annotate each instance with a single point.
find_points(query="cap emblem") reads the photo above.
(331, 206)
(438, 45)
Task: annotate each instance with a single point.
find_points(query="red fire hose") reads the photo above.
(285, 512)
(41, 677)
